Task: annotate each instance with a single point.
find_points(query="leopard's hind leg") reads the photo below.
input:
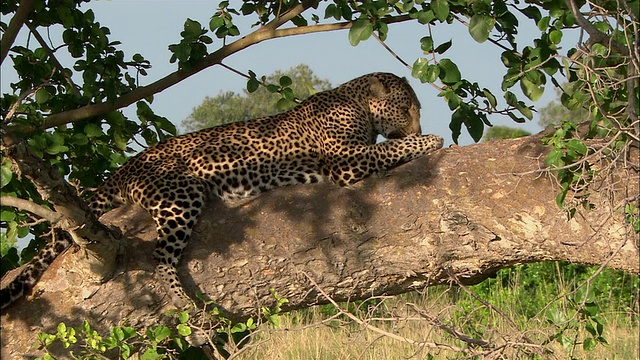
(175, 208)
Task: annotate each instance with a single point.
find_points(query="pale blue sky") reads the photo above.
(149, 26)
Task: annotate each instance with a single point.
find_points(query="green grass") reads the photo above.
(536, 311)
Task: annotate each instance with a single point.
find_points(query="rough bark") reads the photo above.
(462, 212)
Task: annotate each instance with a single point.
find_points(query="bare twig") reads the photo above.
(14, 107)
(52, 56)
(437, 323)
(375, 329)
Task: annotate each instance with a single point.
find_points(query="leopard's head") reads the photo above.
(393, 105)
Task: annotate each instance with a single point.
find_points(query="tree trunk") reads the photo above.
(461, 213)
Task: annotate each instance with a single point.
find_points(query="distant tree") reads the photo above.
(504, 132)
(229, 106)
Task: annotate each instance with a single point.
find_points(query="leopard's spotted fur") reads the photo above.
(330, 135)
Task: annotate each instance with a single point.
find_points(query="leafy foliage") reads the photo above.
(84, 151)
(160, 341)
(555, 113)
(579, 303)
(279, 92)
(157, 342)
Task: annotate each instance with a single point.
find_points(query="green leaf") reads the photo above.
(161, 332)
(383, 30)
(288, 94)
(457, 118)
(524, 110)
(7, 215)
(56, 149)
(510, 98)
(164, 124)
(42, 96)
(117, 333)
(543, 24)
(449, 73)
(426, 44)
(577, 146)
(589, 344)
(285, 81)
(360, 30)
(426, 16)
(424, 71)
(125, 351)
(284, 104)
(555, 36)
(5, 173)
(600, 49)
(23, 231)
(562, 195)
(252, 85)
(79, 139)
(250, 324)
(554, 158)
(93, 130)
(480, 27)
(509, 59)
(184, 317)
(332, 11)
(247, 8)
(238, 328)
(532, 12)
(474, 125)
(440, 9)
(62, 328)
(532, 90)
(183, 330)
(192, 29)
(516, 118)
(443, 47)
(150, 354)
(490, 97)
(453, 99)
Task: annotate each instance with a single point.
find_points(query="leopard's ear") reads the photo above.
(376, 88)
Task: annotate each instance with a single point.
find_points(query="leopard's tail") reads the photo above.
(33, 270)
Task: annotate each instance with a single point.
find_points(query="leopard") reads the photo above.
(330, 136)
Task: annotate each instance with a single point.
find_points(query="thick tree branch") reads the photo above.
(31, 207)
(76, 217)
(596, 35)
(20, 17)
(460, 213)
(258, 36)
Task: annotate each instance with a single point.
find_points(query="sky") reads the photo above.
(149, 26)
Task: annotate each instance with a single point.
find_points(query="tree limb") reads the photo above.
(212, 59)
(20, 17)
(31, 207)
(75, 216)
(595, 34)
(460, 213)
